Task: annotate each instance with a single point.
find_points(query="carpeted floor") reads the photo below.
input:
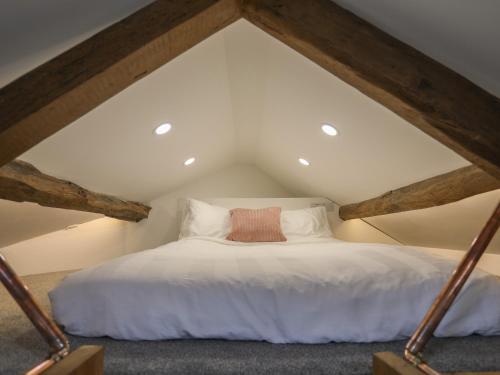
(21, 347)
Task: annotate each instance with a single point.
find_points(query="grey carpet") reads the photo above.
(21, 348)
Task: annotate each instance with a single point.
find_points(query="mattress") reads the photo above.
(308, 292)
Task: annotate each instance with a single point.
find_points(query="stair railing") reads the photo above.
(58, 343)
(415, 347)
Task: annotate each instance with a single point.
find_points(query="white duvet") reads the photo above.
(282, 293)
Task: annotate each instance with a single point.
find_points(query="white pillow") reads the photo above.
(203, 219)
(305, 223)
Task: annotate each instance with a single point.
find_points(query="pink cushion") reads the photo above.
(262, 225)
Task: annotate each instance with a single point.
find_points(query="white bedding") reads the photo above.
(315, 292)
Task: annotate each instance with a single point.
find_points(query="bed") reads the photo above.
(310, 290)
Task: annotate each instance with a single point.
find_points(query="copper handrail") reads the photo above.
(59, 345)
(424, 332)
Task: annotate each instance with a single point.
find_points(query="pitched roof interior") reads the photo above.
(242, 97)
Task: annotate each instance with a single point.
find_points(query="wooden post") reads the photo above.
(86, 360)
(388, 363)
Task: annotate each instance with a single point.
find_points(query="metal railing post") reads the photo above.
(424, 332)
(59, 345)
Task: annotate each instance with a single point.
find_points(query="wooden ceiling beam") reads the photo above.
(22, 182)
(435, 99)
(65, 88)
(446, 188)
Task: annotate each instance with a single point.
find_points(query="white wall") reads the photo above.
(99, 240)
(87, 244)
(26, 220)
(163, 224)
(358, 231)
(352, 230)
(451, 226)
(103, 239)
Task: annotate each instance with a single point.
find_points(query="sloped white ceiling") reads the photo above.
(452, 226)
(113, 149)
(32, 32)
(239, 96)
(461, 34)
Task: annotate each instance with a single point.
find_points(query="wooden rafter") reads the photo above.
(22, 182)
(62, 90)
(437, 100)
(446, 188)
(427, 94)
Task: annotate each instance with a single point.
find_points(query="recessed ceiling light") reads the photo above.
(304, 162)
(329, 130)
(189, 161)
(163, 129)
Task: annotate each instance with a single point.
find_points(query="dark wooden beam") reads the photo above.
(432, 97)
(60, 91)
(446, 188)
(424, 92)
(22, 182)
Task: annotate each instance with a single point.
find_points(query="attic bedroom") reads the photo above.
(249, 187)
